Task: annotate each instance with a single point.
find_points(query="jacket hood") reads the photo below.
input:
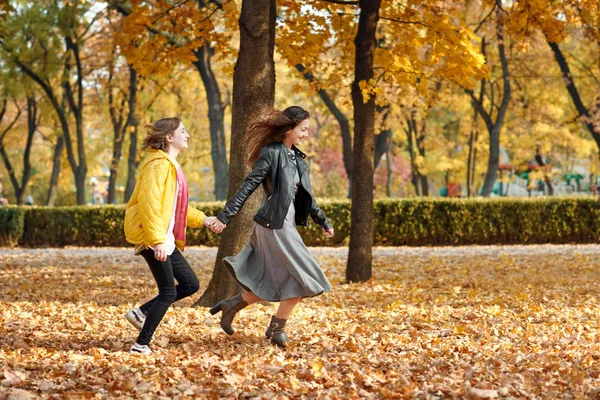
(154, 155)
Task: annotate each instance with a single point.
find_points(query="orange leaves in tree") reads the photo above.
(158, 35)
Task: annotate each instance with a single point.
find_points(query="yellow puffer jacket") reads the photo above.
(149, 210)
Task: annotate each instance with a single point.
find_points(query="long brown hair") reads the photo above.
(271, 126)
(157, 132)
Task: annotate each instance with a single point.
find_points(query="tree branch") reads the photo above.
(344, 2)
(404, 22)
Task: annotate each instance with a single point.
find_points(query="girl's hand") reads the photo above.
(218, 226)
(160, 252)
(328, 232)
(209, 221)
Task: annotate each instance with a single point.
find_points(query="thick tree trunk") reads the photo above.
(53, 188)
(360, 255)
(216, 120)
(253, 88)
(132, 125)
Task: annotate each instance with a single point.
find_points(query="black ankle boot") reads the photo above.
(276, 332)
(229, 308)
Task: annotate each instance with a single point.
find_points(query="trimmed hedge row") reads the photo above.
(413, 222)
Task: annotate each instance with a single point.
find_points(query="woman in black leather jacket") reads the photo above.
(275, 265)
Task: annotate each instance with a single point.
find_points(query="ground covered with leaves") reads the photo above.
(476, 322)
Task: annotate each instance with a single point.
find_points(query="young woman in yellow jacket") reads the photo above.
(155, 221)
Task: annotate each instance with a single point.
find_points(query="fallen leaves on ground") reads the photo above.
(476, 323)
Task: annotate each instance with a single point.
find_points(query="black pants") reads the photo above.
(176, 267)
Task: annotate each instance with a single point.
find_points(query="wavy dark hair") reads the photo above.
(271, 126)
(158, 131)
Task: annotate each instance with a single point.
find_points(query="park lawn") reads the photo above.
(471, 322)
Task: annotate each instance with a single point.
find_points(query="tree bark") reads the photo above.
(494, 127)
(582, 110)
(253, 88)
(341, 119)
(53, 188)
(216, 120)
(9, 168)
(76, 106)
(132, 125)
(360, 255)
(116, 112)
(384, 139)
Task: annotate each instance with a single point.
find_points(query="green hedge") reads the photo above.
(12, 223)
(412, 222)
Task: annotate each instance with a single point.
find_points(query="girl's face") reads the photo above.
(299, 132)
(179, 138)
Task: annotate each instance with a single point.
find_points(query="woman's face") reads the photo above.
(299, 132)
(179, 138)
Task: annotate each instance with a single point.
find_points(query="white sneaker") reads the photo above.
(136, 317)
(140, 348)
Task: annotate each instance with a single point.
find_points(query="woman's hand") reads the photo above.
(328, 232)
(160, 252)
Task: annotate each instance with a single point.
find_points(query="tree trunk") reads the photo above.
(384, 139)
(132, 126)
(342, 121)
(494, 127)
(9, 168)
(52, 189)
(253, 88)
(76, 105)
(388, 184)
(360, 255)
(415, 176)
(582, 110)
(420, 141)
(216, 120)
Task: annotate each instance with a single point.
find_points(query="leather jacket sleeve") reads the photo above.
(319, 216)
(260, 170)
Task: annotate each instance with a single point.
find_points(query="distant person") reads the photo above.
(29, 200)
(155, 221)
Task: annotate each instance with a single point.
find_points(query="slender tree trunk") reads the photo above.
(341, 119)
(53, 188)
(360, 255)
(388, 184)
(216, 120)
(384, 139)
(116, 118)
(76, 105)
(132, 126)
(9, 168)
(253, 88)
(582, 110)
(421, 149)
(414, 176)
(494, 127)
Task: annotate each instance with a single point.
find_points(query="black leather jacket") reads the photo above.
(275, 169)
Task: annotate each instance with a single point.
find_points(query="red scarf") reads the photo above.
(181, 209)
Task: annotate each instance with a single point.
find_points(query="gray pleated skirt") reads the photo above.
(276, 264)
